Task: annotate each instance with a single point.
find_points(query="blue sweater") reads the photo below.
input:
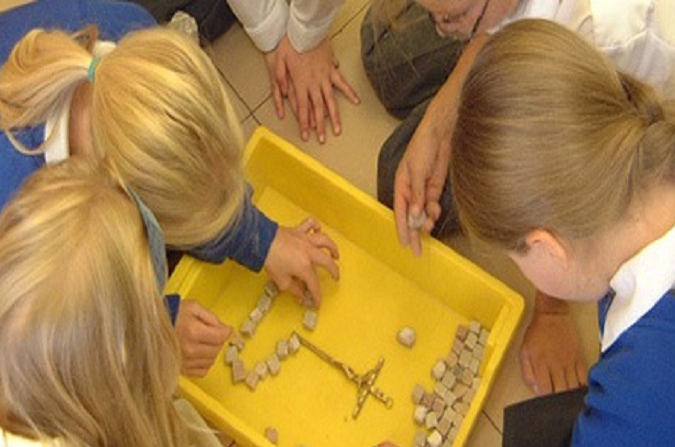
(631, 390)
(248, 241)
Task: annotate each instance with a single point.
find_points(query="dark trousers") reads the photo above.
(407, 64)
(546, 421)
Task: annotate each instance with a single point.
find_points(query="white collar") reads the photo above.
(58, 149)
(639, 284)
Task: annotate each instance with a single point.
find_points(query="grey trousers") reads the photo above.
(407, 65)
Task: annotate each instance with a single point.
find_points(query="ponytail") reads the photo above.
(38, 79)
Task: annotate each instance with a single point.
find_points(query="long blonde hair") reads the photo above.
(549, 135)
(88, 353)
(159, 113)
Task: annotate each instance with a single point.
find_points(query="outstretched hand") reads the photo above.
(309, 81)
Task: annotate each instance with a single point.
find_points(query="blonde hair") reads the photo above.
(549, 135)
(88, 353)
(159, 114)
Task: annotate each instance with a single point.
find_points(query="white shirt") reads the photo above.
(631, 32)
(639, 284)
(306, 22)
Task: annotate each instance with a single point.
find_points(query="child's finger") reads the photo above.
(415, 242)
(582, 373)
(319, 113)
(208, 317)
(571, 379)
(333, 112)
(200, 352)
(303, 115)
(321, 258)
(321, 240)
(558, 380)
(528, 373)
(310, 224)
(341, 84)
(401, 204)
(311, 280)
(278, 100)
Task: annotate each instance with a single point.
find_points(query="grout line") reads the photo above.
(349, 20)
(487, 416)
(211, 55)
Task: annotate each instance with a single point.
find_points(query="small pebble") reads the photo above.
(261, 370)
(271, 289)
(420, 414)
(252, 380)
(272, 435)
(238, 341)
(247, 328)
(435, 439)
(310, 320)
(231, 354)
(471, 340)
(417, 394)
(483, 338)
(273, 364)
(282, 349)
(438, 370)
(474, 326)
(407, 337)
(431, 420)
(462, 331)
(420, 439)
(293, 344)
(416, 222)
(238, 371)
(264, 303)
(256, 315)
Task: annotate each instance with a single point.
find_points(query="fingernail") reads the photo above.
(322, 139)
(305, 136)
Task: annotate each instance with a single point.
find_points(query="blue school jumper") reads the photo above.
(631, 390)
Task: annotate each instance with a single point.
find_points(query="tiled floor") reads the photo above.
(354, 156)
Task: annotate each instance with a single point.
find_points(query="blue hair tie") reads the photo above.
(92, 68)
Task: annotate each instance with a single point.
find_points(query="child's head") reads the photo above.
(158, 112)
(552, 142)
(88, 352)
(458, 19)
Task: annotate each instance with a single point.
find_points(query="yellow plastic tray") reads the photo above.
(383, 287)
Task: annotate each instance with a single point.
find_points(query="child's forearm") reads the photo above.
(442, 112)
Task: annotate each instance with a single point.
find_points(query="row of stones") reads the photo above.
(442, 411)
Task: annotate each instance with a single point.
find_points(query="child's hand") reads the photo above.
(200, 336)
(294, 254)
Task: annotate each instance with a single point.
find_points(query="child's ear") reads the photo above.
(546, 246)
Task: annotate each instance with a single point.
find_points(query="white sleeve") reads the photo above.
(310, 21)
(265, 21)
(634, 39)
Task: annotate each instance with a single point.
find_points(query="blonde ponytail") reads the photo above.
(39, 77)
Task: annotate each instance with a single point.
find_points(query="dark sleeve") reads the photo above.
(172, 302)
(247, 241)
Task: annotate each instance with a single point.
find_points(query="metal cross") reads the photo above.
(365, 383)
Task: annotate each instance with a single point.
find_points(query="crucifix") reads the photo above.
(365, 383)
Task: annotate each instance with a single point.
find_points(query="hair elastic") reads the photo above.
(92, 68)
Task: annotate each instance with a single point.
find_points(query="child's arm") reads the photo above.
(290, 255)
